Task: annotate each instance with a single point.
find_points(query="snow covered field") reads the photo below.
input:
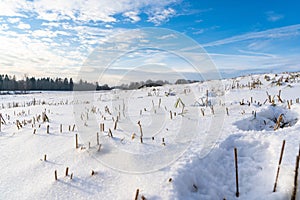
(189, 133)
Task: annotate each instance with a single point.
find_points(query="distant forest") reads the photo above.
(10, 83)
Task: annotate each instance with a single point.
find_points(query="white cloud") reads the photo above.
(43, 33)
(286, 31)
(22, 25)
(13, 20)
(108, 26)
(133, 16)
(48, 40)
(46, 47)
(273, 17)
(160, 16)
(263, 62)
(259, 44)
(65, 33)
(12, 8)
(198, 32)
(169, 36)
(89, 10)
(48, 33)
(21, 54)
(49, 16)
(257, 53)
(51, 24)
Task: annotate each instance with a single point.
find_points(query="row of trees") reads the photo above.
(8, 83)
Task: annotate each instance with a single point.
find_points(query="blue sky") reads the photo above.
(39, 38)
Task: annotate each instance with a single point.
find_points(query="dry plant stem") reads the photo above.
(102, 127)
(55, 175)
(67, 171)
(279, 97)
(19, 125)
(279, 120)
(141, 130)
(236, 173)
(279, 164)
(48, 129)
(269, 97)
(76, 141)
(295, 179)
(212, 110)
(116, 123)
(137, 194)
(202, 111)
(163, 142)
(110, 133)
(206, 102)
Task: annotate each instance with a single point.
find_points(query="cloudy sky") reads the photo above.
(57, 37)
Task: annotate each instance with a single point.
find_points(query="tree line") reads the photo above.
(10, 83)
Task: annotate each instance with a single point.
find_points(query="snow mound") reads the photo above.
(267, 119)
(213, 177)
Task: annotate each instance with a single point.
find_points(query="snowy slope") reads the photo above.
(187, 152)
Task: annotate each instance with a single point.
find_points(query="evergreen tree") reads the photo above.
(71, 85)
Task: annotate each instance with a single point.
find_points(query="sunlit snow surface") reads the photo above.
(195, 163)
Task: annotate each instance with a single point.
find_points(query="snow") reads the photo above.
(191, 156)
